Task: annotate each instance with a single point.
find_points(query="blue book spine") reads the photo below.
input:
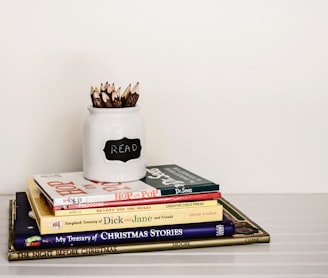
(27, 235)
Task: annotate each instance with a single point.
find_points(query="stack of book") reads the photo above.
(65, 215)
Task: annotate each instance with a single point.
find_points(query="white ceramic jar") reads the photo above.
(114, 145)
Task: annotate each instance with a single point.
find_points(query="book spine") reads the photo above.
(180, 205)
(91, 222)
(138, 247)
(124, 236)
(145, 201)
(109, 197)
(189, 189)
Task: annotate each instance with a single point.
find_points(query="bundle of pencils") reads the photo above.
(107, 96)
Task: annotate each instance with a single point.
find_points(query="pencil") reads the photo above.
(133, 97)
(97, 101)
(116, 98)
(106, 100)
(125, 94)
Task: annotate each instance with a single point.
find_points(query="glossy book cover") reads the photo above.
(162, 180)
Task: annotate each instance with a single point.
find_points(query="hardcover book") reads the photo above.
(50, 224)
(137, 208)
(27, 235)
(246, 232)
(141, 202)
(72, 188)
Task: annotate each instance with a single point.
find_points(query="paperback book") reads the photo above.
(50, 224)
(64, 189)
(27, 235)
(246, 232)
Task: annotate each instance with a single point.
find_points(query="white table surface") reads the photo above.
(297, 223)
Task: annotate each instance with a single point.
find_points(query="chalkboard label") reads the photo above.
(124, 149)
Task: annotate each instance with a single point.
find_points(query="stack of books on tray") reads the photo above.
(65, 215)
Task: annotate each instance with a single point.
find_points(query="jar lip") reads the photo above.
(113, 110)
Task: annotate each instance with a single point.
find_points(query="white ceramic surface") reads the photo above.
(114, 145)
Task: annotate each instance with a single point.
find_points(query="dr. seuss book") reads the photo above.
(28, 237)
(72, 188)
(246, 232)
(50, 224)
(139, 202)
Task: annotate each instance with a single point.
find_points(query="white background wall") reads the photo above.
(236, 91)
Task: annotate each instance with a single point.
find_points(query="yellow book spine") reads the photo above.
(80, 223)
(137, 208)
